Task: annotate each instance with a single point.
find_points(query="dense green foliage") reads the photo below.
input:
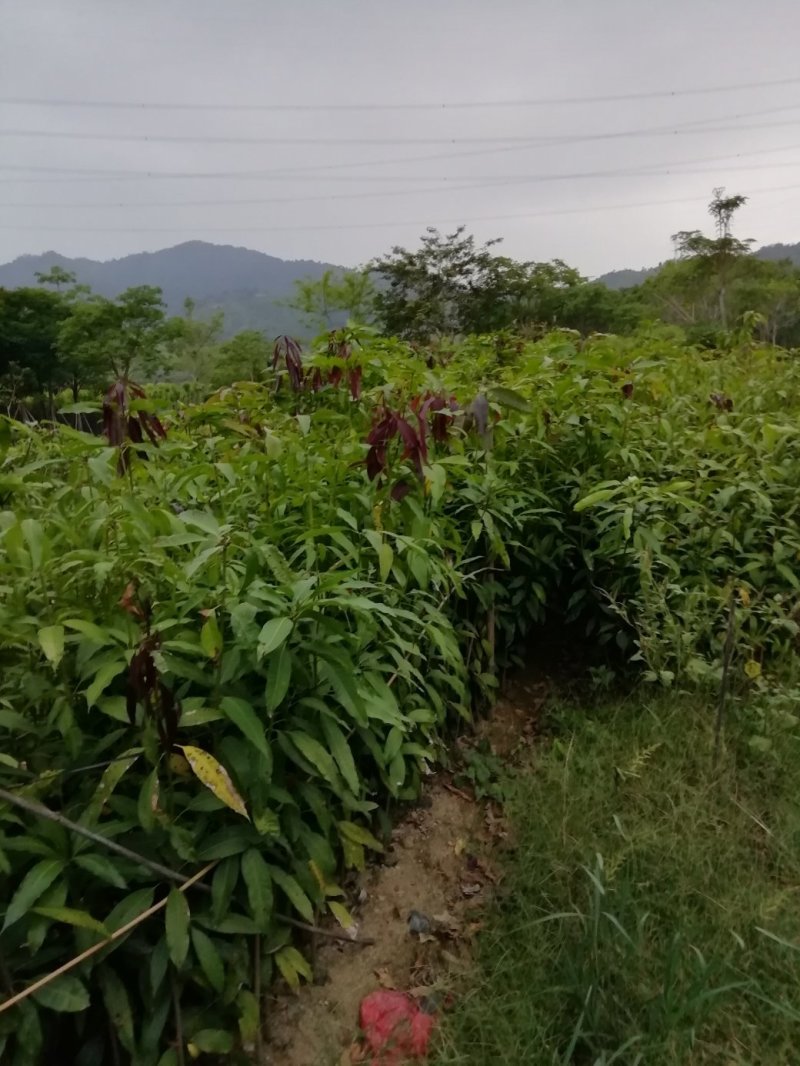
(302, 586)
(648, 912)
(60, 342)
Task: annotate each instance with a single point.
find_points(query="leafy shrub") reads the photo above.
(242, 650)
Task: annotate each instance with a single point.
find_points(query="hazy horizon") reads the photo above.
(588, 133)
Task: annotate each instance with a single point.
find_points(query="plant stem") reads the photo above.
(118, 934)
(176, 1009)
(257, 994)
(723, 685)
(53, 816)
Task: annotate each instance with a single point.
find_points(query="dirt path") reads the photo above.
(439, 865)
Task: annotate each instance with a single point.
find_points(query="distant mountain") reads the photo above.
(624, 279)
(246, 285)
(780, 251)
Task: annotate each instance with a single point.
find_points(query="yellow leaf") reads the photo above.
(744, 596)
(215, 777)
(341, 914)
(752, 669)
(193, 1050)
(179, 765)
(353, 854)
(319, 877)
(293, 966)
(326, 887)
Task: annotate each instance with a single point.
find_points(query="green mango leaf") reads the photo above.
(385, 560)
(210, 1042)
(211, 638)
(118, 1006)
(66, 994)
(359, 835)
(232, 925)
(158, 964)
(130, 907)
(341, 752)
(16, 723)
(293, 892)
(201, 520)
(209, 959)
(314, 752)
(256, 876)
(293, 966)
(241, 713)
(344, 689)
(279, 677)
(33, 885)
(177, 926)
(51, 639)
(70, 916)
(222, 885)
(147, 804)
(394, 743)
(509, 398)
(91, 631)
(249, 1019)
(273, 634)
(598, 496)
(102, 868)
(33, 532)
(112, 775)
(82, 408)
(397, 772)
(103, 678)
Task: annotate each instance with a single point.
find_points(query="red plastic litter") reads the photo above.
(394, 1028)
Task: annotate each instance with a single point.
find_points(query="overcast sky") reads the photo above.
(296, 165)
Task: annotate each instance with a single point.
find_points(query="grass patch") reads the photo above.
(650, 909)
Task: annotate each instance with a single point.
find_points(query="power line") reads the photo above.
(381, 225)
(455, 105)
(330, 142)
(311, 173)
(475, 152)
(520, 142)
(487, 183)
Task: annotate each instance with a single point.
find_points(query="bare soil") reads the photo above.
(440, 865)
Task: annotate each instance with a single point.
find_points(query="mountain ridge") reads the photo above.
(626, 277)
(249, 286)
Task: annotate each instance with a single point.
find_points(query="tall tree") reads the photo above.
(427, 292)
(716, 256)
(30, 321)
(103, 338)
(193, 343)
(334, 299)
(244, 357)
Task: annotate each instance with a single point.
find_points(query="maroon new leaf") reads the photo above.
(288, 350)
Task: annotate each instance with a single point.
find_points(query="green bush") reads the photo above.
(239, 647)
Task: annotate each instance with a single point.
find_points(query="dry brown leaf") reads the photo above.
(384, 978)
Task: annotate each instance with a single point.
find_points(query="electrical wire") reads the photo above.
(544, 101)
(382, 225)
(491, 183)
(310, 173)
